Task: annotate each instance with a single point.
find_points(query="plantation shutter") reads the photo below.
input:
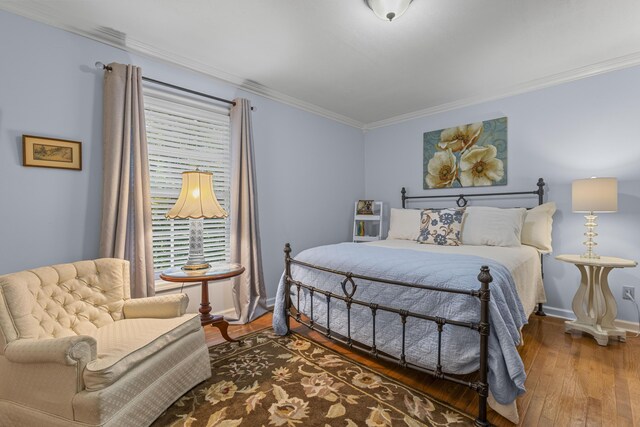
(184, 134)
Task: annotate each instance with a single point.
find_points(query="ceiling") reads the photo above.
(336, 58)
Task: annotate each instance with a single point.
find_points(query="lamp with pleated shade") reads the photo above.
(196, 201)
(593, 195)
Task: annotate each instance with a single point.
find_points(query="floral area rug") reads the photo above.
(291, 381)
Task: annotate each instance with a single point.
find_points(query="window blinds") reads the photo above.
(184, 134)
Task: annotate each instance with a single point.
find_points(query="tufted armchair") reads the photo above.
(76, 350)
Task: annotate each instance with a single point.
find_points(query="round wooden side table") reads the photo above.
(594, 305)
(217, 271)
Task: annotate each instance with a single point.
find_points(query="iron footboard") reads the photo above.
(349, 287)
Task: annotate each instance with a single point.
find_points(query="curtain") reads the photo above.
(126, 202)
(249, 295)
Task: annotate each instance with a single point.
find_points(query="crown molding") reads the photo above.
(40, 13)
(111, 37)
(533, 85)
(238, 82)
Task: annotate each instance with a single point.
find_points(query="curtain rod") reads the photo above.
(100, 65)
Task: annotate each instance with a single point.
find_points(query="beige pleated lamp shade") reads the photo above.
(595, 195)
(197, 199)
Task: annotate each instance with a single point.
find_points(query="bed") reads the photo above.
(444, 310)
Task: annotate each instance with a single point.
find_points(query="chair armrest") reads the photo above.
(77, 349)
(159, 307)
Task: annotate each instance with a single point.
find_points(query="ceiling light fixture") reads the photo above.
(388, 10)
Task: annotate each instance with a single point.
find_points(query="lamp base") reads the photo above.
(196, 259)
(590, 234)
(192, 267)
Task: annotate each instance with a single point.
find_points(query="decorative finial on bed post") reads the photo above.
(404, 196)
(540, 190)
(485, 276)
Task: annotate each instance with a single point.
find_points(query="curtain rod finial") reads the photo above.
(100, 66)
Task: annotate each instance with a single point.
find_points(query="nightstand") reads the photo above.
(593, 304)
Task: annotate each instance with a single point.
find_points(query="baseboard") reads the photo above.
(559, 312)
(563, 313)
(230, 312)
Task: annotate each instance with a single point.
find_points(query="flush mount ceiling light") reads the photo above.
(388, 10)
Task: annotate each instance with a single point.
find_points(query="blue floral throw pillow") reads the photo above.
(441, 226)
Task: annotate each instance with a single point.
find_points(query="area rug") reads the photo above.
(291, 381)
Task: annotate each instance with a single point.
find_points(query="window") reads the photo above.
(184, 134)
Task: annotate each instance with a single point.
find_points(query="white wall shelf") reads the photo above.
(372, 224)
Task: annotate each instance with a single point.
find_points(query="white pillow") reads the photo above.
(404, 224)
(536, 230)
(492, 226)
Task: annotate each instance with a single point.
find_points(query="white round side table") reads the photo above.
(594, 305)
(216, 271)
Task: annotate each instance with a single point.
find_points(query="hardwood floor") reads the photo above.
(571, 380)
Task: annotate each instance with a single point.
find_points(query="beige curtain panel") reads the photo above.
(249, 295)
(126, 203)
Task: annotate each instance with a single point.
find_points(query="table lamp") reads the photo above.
(196, 201)
(593, 195)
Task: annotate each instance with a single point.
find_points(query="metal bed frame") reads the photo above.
(349, 288)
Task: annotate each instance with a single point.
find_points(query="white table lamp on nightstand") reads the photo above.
(590, 196)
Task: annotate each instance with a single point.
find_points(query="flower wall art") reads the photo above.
(471, 155)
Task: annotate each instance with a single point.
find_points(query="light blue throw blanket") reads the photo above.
(460, 346)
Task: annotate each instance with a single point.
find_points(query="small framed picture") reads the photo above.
(365, 207)
(51, 153)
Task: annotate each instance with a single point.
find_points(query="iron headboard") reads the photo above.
(462, 198)
(461, 201)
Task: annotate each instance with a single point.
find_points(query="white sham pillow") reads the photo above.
(404, 224)
(487, 226)
(538, 224)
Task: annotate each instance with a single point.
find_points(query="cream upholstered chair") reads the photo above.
(75, 350)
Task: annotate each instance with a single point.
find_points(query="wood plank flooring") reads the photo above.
(571, 380)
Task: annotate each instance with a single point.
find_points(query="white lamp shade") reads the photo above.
(595, 195)
(197, 199)
(388, 9)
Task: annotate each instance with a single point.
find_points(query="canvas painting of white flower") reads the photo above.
(471, 155)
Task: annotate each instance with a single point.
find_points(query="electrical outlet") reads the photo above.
(628, 289)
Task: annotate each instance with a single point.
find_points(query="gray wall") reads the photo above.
(309, 169)
(575, 130)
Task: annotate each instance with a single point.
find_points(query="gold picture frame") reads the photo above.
(42, 152)
(365, 207)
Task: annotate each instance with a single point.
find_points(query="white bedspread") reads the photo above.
(523, 262)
